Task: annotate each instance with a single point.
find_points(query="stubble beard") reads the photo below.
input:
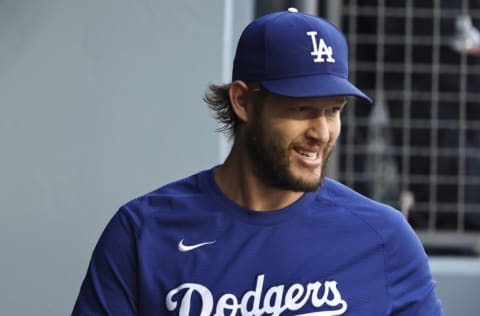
(271, 162)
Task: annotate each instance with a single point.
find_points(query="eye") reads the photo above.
(301, 108)
(334, 109)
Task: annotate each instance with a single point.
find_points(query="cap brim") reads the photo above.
(314, 86)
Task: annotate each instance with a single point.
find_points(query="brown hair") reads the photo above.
(218, 99)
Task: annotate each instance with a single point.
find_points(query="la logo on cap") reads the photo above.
(321, 49)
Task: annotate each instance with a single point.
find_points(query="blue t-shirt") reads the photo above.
(186, 249)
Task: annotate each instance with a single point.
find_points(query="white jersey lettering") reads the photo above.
(274, 301)
(205, 295)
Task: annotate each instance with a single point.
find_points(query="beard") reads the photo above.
(270, 157)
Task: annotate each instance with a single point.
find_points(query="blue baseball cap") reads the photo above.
(296, 55)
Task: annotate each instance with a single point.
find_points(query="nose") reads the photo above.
(319, 130)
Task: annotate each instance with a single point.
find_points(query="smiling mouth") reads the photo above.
(308, 154)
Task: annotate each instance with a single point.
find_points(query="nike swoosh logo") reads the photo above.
(184, 248)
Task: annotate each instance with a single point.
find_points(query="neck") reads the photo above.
(240, 183)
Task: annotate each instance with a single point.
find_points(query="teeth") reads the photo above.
(311, 155)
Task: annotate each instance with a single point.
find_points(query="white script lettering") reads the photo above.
(274, 301)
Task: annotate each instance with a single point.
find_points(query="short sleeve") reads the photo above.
(109, 287)
(409, 279)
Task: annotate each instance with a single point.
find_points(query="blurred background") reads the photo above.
(100, 102)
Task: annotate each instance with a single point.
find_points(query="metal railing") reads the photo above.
(418, 147)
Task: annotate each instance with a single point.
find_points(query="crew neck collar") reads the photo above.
(297, 208)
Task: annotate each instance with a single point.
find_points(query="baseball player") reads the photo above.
(265, 233)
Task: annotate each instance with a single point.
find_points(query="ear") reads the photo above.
(238, 93)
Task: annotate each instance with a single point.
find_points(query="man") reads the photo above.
(265, 233)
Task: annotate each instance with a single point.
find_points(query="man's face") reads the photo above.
(289, 140)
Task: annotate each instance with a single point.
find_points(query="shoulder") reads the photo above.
(162, 201)
(408, 276)
(365, 208)
(386, 222)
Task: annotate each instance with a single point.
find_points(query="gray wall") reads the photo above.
(458, 284)
(100, 101)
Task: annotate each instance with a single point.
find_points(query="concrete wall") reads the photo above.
(458, 284)
(100, 101)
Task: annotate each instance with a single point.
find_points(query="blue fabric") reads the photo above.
(333, 252)
(295, 54)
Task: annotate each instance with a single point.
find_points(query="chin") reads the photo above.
(312, 186)
(309, 182)
(305, 184)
